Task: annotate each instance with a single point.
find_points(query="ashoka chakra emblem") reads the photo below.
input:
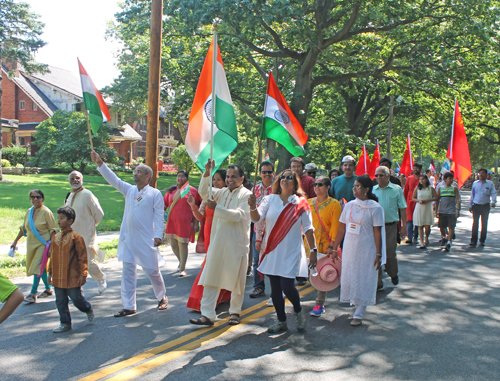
(281, 116)
(208, 110)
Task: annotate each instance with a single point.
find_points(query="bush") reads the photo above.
(5, 163)
(15, 155)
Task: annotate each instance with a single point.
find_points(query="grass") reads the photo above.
(14, 201)
(16, 267)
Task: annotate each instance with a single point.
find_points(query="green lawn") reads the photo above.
(14, 201)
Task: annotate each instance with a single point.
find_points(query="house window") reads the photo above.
(22, 141)
(22, 105)
(119, 118)
(35, 106)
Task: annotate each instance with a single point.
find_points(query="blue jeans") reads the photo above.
(78, 299)
(412, 231)
(257, 279)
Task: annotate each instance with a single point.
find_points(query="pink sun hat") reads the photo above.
(327, 277)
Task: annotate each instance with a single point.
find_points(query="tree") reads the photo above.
(181, 159)
(19, 39)
(63, 138)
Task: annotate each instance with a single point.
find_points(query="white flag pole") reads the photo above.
(452, 129)
(411, 155)
(215, 51)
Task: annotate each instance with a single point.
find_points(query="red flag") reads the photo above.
(458, 151)
(407, 164)
(363, 163)
(432, 167)
(375, 162)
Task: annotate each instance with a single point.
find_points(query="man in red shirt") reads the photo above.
(306, 182)
(411, 183)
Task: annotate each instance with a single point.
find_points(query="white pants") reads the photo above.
(209, 302)
(359, 312)
(129, 284)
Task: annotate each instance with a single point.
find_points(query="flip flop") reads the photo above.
(124, 312)
(163, 304)
(207, 321)
(45, 294)
(234, 320)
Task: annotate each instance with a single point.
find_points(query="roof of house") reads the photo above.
(125, 132)
(35, 94)
(62, 79)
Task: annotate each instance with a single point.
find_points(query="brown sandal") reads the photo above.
(199, 321)
(234, 319)
(163, 304)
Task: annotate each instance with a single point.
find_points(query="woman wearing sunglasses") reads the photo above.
(325, 216)
(288, 215)
(39, 227)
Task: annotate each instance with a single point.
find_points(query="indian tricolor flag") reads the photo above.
(94, 104)
(184, 189)
(279, 122)
(225, 135)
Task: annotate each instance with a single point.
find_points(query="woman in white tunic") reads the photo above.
(423, 216)
(362, 228)
(283, 258)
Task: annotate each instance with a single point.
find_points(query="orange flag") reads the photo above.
(375, 162)
(363, 163)
(458, 151)
(407, 164)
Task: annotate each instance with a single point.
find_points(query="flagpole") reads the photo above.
(409, 150)
(452, 130)
(215, 52)
(259, 153)
(88, 127)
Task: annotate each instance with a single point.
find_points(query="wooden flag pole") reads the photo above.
(88, 127)
(215, 52)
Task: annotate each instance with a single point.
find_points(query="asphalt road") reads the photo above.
(442, 322)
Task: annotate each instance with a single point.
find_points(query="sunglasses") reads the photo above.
(283, 177)
(266, 172)
(36, 197)
(379, 175)
(311, 172)
(318, 185)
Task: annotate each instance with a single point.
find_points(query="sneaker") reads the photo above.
(318, 310)
(472, 244)
(249, 273)
(447, 247)
(278, 326)
(270, 302)
(481, 243)
(300, 318)
(30, 298)
(102, 285)
(90, 315)
(443, 242)
(257, 292)
(380, 286)
(62, 328)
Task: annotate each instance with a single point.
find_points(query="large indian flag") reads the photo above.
(225, 134)
(94, 103)
(279, 122)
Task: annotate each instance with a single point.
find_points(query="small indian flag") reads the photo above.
(184, 189)
(94, 103)
(225, 135)
(279, 122)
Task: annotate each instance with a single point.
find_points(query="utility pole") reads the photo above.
(154, 88)
(389, 132)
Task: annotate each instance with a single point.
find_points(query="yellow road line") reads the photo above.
(167, 357)
(171, 344)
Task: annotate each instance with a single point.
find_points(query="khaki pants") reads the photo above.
(180, 250)
(391, 244)
(209, 302)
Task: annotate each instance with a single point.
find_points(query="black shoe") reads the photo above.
(472, 245)
(257, 291)
(481, 243)
(447, 247)
(443, 242)
(301, 281)
(409, 242)
(395, 280)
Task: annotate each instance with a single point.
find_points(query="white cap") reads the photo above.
(348, 159)
(311, 166)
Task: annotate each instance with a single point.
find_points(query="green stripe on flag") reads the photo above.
(225, 119)
(274, 130)
(223, 146)
(95, 114)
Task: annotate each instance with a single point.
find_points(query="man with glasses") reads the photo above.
(306, 182)
(391, 198)
(342, 185)
(311, 170)
(483, 196)
(386, 162)
(261, 190)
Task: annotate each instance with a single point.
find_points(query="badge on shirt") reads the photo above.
(353, 228)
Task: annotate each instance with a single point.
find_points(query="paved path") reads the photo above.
(441, 323)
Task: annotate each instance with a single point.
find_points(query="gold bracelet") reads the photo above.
(379, 255)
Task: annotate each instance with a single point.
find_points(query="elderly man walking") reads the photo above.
(227, 256)
(483, 196)
(141, 233)
(88, 215)
(391, 198)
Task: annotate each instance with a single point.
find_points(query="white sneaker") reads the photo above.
(102, 284)
(270, 302)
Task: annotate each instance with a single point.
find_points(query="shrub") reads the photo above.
(5, 163)
(14, 154)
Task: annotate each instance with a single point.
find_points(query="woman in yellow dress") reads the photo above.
(325, 230)
(43, 221)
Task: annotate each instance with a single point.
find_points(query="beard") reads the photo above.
(76, 186)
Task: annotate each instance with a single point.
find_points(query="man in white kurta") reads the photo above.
(88, 215)
(140, 234)
(227, 256)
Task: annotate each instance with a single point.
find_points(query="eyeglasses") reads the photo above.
(36, 197)
(379, 175)
(283, 177)
(356, 186)
(312, 173)
(266, 172)
(318, 185)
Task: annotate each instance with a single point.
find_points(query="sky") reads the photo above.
(76, 29)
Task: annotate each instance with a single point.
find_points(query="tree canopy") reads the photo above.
(336, 62)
